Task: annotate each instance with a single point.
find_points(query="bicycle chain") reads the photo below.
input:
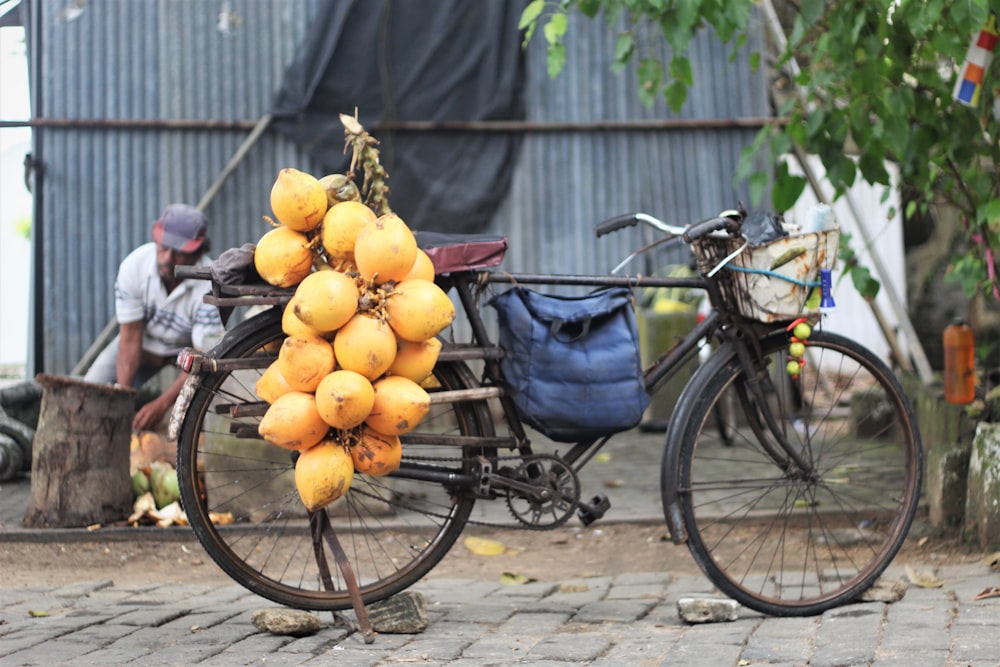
(520, 525)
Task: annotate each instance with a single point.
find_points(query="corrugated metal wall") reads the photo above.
(222, 60)
(566, 182)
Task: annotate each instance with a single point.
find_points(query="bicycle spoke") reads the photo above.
(799, 542)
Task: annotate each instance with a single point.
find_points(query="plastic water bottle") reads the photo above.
(959, 363)
(820, 219)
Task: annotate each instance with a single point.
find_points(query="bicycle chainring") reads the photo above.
(555, 496)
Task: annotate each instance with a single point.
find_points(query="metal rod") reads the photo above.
(596, 281)
(458, 395)
(234, 161)
(406, 126)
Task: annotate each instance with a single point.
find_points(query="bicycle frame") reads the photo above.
(717, 324)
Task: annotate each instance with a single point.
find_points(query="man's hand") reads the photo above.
(148, 417)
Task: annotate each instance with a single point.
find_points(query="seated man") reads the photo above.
(157, 313)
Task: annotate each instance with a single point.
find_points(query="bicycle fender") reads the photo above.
(179, 410)
(670, 470)
(237, 333)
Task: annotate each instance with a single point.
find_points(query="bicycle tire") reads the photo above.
(393, 531)
(798, 547)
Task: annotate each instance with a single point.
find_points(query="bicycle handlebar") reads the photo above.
(630, 219)
(705, 227)
(615, 223)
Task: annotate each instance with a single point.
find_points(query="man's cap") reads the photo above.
(181, 228)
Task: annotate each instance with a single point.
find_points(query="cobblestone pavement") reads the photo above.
(613, 620)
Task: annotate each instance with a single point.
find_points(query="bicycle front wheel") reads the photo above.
(239, 494)
(786, 541)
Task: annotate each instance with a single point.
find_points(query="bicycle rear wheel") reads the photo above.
(239, 493)
(797, 544)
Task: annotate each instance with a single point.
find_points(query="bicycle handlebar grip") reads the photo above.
(699, 229)
(614, 224)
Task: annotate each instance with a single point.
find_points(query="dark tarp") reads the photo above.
(413, 60)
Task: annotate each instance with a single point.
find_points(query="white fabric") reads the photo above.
(172, 321)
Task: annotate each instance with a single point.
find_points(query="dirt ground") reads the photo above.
(558, 555)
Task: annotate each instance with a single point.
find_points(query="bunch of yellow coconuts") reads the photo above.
(361, 332)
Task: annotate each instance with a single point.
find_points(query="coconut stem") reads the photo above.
(364, 152)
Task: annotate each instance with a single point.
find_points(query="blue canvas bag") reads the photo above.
(571, 364)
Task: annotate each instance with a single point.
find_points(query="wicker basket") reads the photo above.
(760, 286)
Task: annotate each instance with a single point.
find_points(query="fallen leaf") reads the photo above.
(923, 579)
(989, 592)
(993, 560)
(37, 614)
(484, 547)
(515, 579)
(221, 518)
(603, 457)
(922, 541)
(614, 483)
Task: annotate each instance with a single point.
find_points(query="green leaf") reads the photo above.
(650, 80)
(759, 182)
(531, 13)
(676, 94)
(589, 8)
(811, 11)
(781, 144)
(556, 59)
(555, 28)
(624, 47)
(872, 166)
(988, 211)
(680, 70)
(787, 188)
(863, 282)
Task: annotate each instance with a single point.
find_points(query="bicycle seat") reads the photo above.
(462, 252)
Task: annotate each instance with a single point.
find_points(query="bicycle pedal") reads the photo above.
(484, 473)
(594, 510)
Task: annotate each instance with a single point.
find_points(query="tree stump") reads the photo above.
(80, 458)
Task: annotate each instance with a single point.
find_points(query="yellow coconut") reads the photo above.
(341, 226)
(298, 200)
(272, 384)
(400, 404)
(293, 422)
(344, 399)
(323, 474)
(418, 309)
(423, 267)
(376, 453)
(415, 359)
(283, 257)
(304, 360)
(339, 188)
(365, 345)
(385, 249)
(325, 300)
(293, 326)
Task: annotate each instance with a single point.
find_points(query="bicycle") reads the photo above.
(820, 472)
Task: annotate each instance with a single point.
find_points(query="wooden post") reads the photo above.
(80, 457)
